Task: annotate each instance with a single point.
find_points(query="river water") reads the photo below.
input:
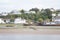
(28, 37)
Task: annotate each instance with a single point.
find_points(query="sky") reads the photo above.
(9, 5)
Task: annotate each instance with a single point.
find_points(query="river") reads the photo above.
(28, 37)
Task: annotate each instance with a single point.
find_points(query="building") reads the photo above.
(15, 21)
(6, 20)
(56, 18)
(3, 14)
(29, 12)
(1, 21)
(19, 20)
(15, 12)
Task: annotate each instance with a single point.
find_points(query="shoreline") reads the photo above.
(31, 31)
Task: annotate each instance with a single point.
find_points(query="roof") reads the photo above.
(57, 17)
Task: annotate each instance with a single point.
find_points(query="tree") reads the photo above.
(48, 13)
(40, 20)
(34, 9)
(22, 11)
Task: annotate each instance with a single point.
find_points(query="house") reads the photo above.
(3, 14)
(56, 18)
(6, 20)
(15, 12)
(19, 20)
(49, 23)
(53, 22)
(1, 21)
(30, 12)
(15, 21)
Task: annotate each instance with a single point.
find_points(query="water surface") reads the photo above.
(28, 37)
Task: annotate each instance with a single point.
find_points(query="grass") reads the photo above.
(6, 24)
(11, 25)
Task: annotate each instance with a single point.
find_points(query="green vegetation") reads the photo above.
(39, 16)
(7, 24)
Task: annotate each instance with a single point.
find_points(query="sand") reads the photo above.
(29, 31)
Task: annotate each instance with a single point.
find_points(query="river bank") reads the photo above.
(29, 31)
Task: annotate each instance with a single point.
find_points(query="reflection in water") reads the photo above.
(28, 37)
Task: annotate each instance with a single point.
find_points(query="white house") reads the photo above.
(15, 12)
(1, 20)
(56, 18)
(48, 23)
(53, 16)
(16, 21)
(19, 20)
(6, 20)
(30, 12)
(4, 14)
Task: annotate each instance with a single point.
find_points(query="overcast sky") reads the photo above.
(8, 5)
